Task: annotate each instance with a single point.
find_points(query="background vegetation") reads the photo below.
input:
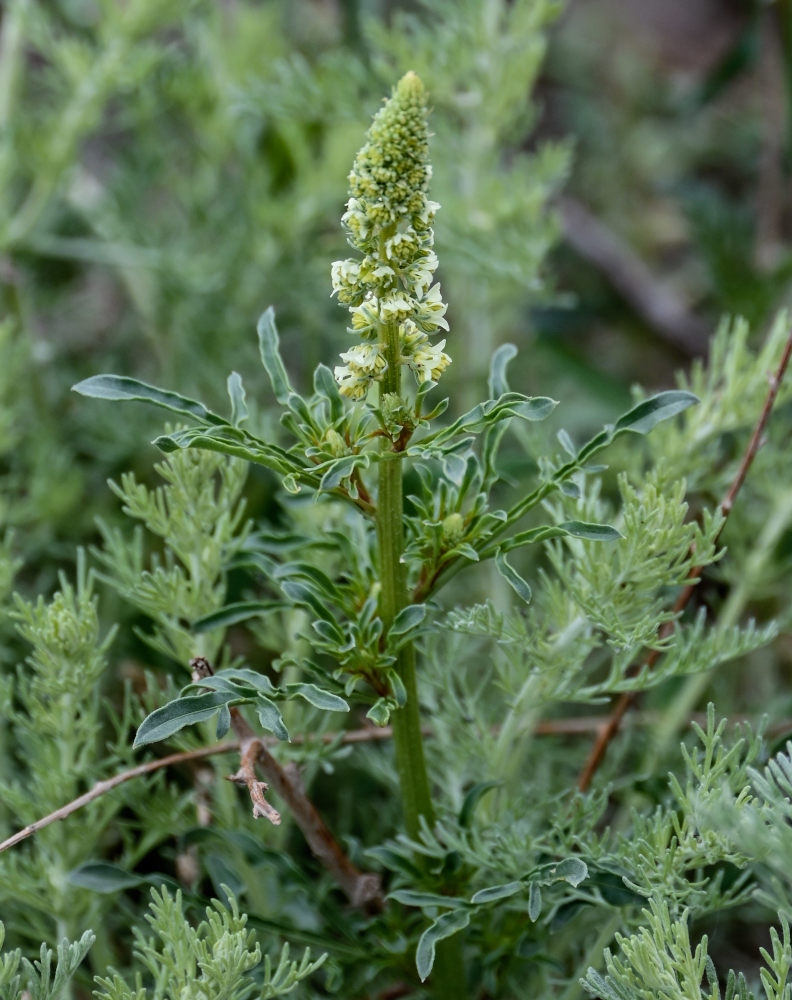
(614, 179)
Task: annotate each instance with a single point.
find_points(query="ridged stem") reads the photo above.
(407, 736)
(448, 975)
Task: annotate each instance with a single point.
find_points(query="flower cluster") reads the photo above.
(389, 222)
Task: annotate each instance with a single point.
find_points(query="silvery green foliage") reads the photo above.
(659, 962)
(199, 514)
(600, 609)
(54, 708)
(55, 692)
(663, 847)
(726, 811)
(21, 979)
(219, 959)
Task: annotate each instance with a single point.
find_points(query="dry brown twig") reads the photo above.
(363, 889)
(609, 730)
(583, 725)
(108, 784)
(246, 775)
(366, 735)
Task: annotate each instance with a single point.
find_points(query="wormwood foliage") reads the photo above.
(660, 962)
(199, 511)
(409, 577)
(20, 978)
(213, 961)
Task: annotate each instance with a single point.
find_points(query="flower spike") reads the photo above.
(388, 221)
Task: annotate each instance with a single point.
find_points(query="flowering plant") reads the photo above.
(372, 601)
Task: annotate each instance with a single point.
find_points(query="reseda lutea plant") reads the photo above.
(350, 443)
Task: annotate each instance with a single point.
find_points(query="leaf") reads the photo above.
(437, 410)
(103, 877)
(454, 468)
(301, 594)
(566, 442)
(578, 529)
(410, 897)
(572, 870)
(311, 574)
(223, 877)
(223, 722)
(407, 619)
(594, 532)
(120, 387)
(244, 675)
(216, 439)
(513, 578)
(341, 468)
(236, 393)
(467, 551)
(239, 611)
(398, 690)
(317, 697)
(534, 901)
(270, 718)
(270, 356)
(494, 892)
(497, 375)
(489, 413)
(329, 631)
(177, 714)
(570, 489)
(217, 683)
(646, 415)
(326, 385)
(444, 927)
(380, 711)
(535, 408)
(472, 799)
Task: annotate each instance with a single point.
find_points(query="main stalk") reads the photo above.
(448, 974)
(406, 721)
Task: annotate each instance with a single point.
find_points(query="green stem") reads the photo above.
(448, 975)
(407, 737)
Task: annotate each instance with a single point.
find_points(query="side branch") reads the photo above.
(363, 889)
(366, 735)
(101, 787)
(585, 725)
(608, 732)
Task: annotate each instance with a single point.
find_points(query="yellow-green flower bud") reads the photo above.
(334, 443)
(395, 413)
(453, 529)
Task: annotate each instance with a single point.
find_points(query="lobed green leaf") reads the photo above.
(122, 388)
(177, 714)
(318, 697)
(513, 578)
(270, 356)
(444, 927)
(495, 892)
(270, 718)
